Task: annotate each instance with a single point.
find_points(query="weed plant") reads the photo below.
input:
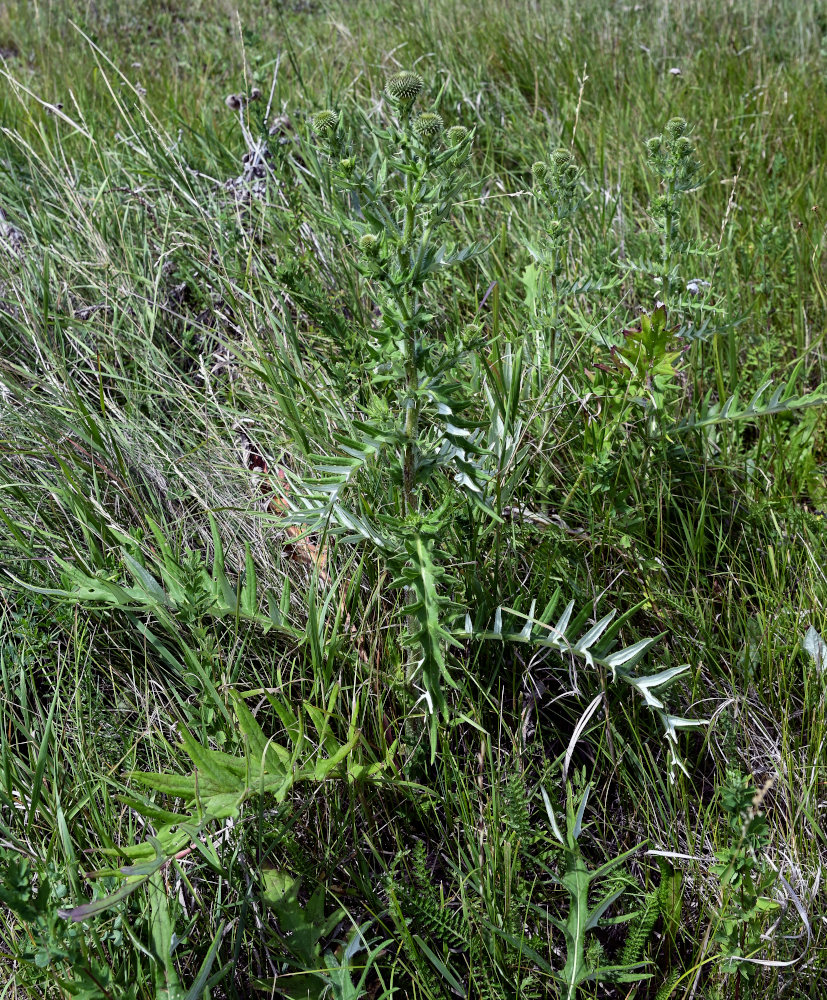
(411, 534)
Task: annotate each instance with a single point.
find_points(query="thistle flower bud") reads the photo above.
(470, 335)
(348, 165)
(676, 127)
(404, 88)
(324, 122)
(653, 145)
(540, 170)
(428, 126)
(369, 245)
(456, 134)
(561, 159)
(683, 147)
(662, 204)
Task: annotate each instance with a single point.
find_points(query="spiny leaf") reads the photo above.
(620, 662)
(781, 401)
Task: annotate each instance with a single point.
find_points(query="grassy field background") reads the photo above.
(304, 697)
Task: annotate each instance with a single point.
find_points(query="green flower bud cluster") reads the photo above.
(456, 138)
(557, 181)
(683, 147)
(471, 336)
(672, 156)
(654, 146)
(562, 161)
(403, 89)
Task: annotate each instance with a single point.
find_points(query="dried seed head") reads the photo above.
(405, 87)
(456, 134)
(676, 127)
(428, 126)
(255, 94)
(233, 102)
(324, 122)
(369, 245)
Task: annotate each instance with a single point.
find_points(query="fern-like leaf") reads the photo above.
(640, 929)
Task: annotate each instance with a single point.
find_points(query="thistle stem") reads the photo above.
(411, 419)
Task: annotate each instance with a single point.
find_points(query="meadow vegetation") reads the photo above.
(412, 449)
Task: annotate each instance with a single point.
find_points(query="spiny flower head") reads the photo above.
(676, 127)
(456, 134)
(404, 88)
(540, 170)
(653, 145)
(428, 126)
(369, 245)
(683, 147)
(324, 122)
(561, 159)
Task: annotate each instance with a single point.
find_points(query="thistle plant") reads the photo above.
(584, 913)
(671, 157)
(390, 193)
